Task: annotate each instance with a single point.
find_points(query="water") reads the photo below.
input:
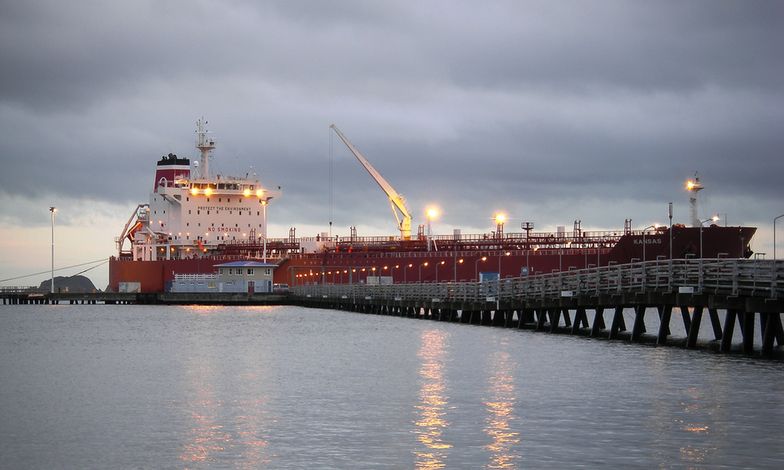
(283, 387)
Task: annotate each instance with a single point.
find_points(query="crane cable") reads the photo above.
(102, 260)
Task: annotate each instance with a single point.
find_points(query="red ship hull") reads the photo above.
(453, 259)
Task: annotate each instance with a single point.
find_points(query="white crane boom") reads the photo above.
(395, 200)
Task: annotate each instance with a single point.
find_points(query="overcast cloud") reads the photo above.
(551, 111)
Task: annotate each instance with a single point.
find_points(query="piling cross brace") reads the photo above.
(618, 323)
(639, 322)
(729, 327)
(665, 311)
(598, 322)
(694, 330)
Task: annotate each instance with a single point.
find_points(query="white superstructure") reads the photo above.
(189, 217)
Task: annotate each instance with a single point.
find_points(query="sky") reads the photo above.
(548, 111)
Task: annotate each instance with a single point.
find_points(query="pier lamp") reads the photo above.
(500, 218)
(476, 267)
(702, 224)
(405, 272)
(669, 210)
(52, 210)
(774, 237)
(437, 265)
(499, 275)
(508, 253)
(654, 226)
(460, 261)
(431, 213)
(527, 255)
(425, 264)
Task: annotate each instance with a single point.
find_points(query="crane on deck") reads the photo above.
(396, 201)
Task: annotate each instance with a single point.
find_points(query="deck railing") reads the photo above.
(732, 277)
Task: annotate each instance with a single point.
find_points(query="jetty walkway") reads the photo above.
(591, 302)
(594, 302)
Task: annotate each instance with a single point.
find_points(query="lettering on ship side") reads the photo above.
(649, 241)
(222, 208)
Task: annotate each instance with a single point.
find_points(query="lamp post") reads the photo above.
(52, 209)
(499, 262)
(420, 270)
(498, 290)
(702, 222)
(670, 214)
(405, 272)
(654, 226)
(527, 226)
(774, 235)
(529, 271)
(264, 249)
(476, 267)
(460, 261)
(437, 265)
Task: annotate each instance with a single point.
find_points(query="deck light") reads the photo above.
(194, 191)
(246, 192)
(431, 213)
(259, 192)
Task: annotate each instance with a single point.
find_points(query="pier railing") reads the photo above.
(731, 277)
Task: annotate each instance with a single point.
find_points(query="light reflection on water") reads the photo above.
(500, 406)
(205, 437)
(432, 421)
(208, 441)
(285, 387)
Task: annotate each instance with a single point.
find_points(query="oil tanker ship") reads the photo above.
(195, 220)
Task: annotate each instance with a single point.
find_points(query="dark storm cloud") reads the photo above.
(470, 105)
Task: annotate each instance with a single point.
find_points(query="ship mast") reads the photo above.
(693, 187)
(205, 145)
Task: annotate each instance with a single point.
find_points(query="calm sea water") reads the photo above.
(283, 387)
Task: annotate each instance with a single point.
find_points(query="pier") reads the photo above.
(591, 302)
(21, 297)
(738, 297)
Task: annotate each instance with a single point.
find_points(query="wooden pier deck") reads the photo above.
(591, 302)
(161, 298)
(730, 293)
